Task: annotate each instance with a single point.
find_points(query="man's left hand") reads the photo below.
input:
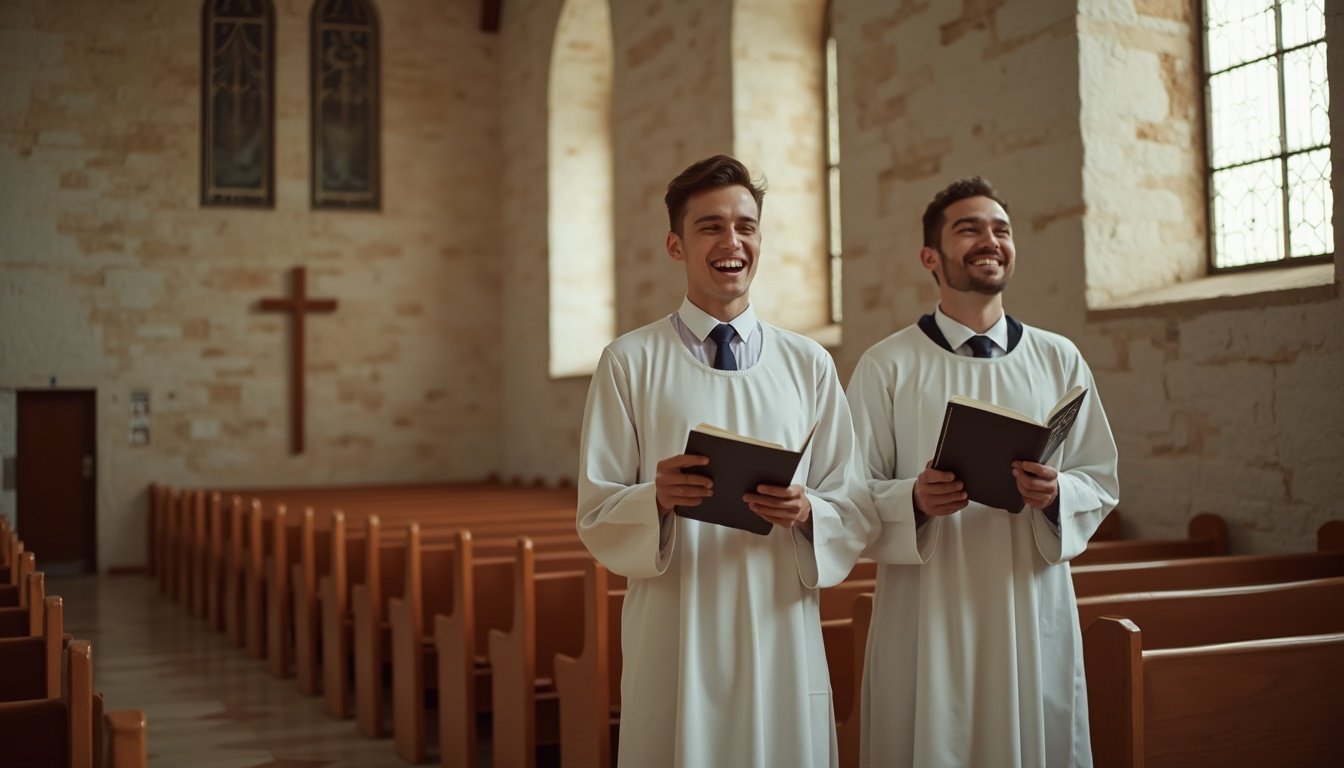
(785, 507)
(1038, 483)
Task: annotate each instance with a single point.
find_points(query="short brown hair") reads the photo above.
(958, 190)
(716, 172)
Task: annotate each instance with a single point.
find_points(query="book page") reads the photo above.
(992, 408)
(710, 429)
(1066, 401)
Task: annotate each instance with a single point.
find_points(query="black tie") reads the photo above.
(724, 360)
(981, 346)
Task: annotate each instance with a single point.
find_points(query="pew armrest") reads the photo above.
(127, 741)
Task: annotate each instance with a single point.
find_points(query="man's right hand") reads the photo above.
(679, 489)
(936, 493)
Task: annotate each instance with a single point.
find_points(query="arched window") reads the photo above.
(780, 130)
(580, 183)
(237, 102)
(345, 94)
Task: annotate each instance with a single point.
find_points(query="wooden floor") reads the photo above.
(206, 703)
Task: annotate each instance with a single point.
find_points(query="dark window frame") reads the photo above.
(1281, 156)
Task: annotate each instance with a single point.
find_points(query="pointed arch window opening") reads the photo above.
(238, 103)
(345, 98)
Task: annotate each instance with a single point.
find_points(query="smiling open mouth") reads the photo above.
(730, 266)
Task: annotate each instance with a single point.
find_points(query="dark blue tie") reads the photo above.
(981, 346)
(724, 360)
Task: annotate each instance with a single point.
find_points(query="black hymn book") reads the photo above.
(980, 441)
(737, 464)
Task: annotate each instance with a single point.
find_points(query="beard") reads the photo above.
(959, 277)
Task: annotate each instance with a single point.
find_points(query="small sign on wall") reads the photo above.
(139, 417)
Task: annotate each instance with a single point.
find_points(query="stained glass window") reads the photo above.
(237, 102)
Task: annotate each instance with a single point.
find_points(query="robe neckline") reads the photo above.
(930, 328)
(761, 327)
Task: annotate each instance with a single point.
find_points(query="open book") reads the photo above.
(737, 464)
(980, 441)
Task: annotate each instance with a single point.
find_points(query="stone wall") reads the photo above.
(114, 278)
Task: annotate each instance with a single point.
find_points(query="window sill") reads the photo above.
(1291, 284)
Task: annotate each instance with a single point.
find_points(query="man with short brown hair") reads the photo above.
(974, 652)
(723, 663)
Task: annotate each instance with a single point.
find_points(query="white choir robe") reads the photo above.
(720, 631)
(974, 655)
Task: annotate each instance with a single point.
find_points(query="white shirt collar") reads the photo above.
(957, 334)
(701, 322)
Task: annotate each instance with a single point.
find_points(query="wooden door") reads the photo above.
(55, 499)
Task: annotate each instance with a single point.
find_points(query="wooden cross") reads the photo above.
(297, 305)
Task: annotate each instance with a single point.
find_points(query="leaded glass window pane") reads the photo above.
(1248, 214)
(1309, 201)
(1268, 132)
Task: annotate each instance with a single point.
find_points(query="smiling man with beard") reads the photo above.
(974, 653)
(723, 663)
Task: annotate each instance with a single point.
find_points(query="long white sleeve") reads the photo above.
(843, 519)
(1089, 486)
(899, 541)
(618, 510)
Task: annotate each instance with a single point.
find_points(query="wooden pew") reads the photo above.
(235, 572)
(384, 579)
(1109, 530)
(1207, 537)
(278, 594)
(168, 542)
(295, 570)
(151, 523)
(16, 575)
(1204, 572)
(188, 543)
(848, 726)
(200, 556)
(338, 592)
(53, 731)
(126, 744)
(324, 547)
(522, 681)
(1260, 702)
(432, 575)
(285, 543)
(347, 568)
(69, 727)
(395, 504)
(32, 664)
(589, 683)
(25, 619)
(254, 561)
(216, 556)
(1226, 614)
(305, 605)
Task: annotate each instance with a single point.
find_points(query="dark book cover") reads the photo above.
(980, 441)
(737, 464)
